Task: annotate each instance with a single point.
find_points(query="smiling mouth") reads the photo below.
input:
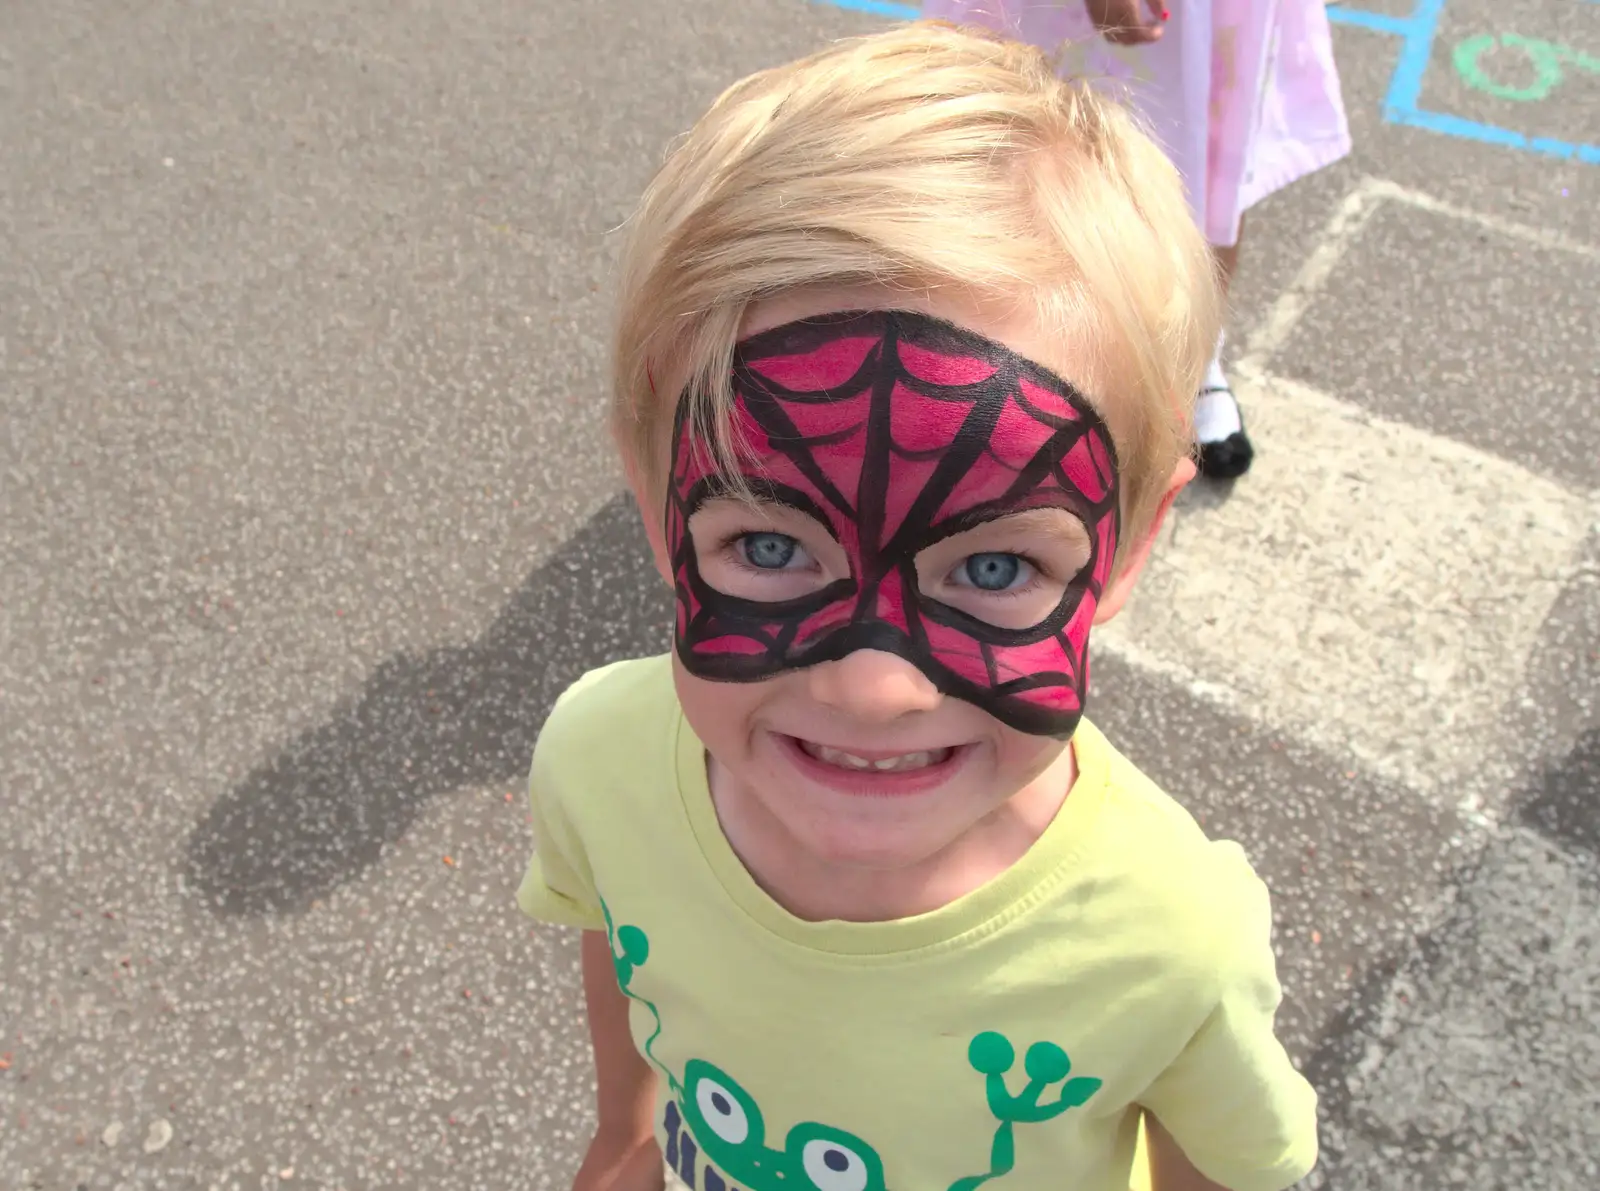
(877, 762)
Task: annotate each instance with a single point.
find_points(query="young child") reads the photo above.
(1242, 94)
(909, 336)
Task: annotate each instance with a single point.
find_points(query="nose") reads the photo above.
(871, 685)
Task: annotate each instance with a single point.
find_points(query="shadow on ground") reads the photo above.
(1562, 806)
(1566, 805)
(321, 811)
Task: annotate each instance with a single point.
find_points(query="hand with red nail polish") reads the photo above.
(1128, 22)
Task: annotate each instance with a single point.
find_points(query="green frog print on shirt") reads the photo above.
(711, 1116)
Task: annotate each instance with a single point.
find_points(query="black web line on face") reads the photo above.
(722, 616)
(1049, 460)
(986, 400)
(764, 400)
(989, 402)
(764, 403)
(729, 615)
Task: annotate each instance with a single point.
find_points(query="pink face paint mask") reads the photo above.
(894, 430)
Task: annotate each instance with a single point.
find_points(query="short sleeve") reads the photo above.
(558, 886)
(1232, 1100)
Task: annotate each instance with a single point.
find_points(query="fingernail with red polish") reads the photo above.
(1166, 15)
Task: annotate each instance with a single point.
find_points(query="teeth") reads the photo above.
(898, 764)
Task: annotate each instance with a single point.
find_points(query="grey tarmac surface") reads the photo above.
(306, 517)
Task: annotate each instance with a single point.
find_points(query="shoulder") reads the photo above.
(594, 767)
(616, 718)
(1198, 898)
(627, 696)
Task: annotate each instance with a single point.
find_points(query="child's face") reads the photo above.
(893, 642)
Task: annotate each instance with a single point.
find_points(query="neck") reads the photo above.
(815, 890)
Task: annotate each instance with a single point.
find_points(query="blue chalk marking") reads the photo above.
(1376, 22)
(1417, 33)
(1405, 85)
(1400, 105)
(1490, 134)
(878, 8)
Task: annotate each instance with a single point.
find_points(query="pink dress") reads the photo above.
(1242, 94)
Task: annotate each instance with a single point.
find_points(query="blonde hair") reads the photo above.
(924, 157)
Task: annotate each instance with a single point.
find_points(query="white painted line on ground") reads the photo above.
(1371, 587)
(1352, 214)
(1542, 237)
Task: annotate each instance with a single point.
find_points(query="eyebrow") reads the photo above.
(774, 496)
(1039, 519)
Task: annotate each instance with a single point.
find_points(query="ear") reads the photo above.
(1121, 587)
(650, 508)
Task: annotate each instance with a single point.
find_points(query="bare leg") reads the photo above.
(1225, 450)
(1228, 259)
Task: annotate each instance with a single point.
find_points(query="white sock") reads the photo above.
(1216, 414)
(1214, 377)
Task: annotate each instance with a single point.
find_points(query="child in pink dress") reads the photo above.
(1242, 94)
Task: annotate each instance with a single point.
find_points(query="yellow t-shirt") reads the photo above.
(1011, 1036)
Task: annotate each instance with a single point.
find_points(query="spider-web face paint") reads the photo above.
(894, 430)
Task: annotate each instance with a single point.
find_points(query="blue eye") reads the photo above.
(768, 551)
(992, 572)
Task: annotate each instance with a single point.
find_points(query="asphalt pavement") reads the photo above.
(306, 515)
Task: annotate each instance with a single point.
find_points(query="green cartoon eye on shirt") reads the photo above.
(727, 1122)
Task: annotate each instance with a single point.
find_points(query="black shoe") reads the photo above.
(1227, 458)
